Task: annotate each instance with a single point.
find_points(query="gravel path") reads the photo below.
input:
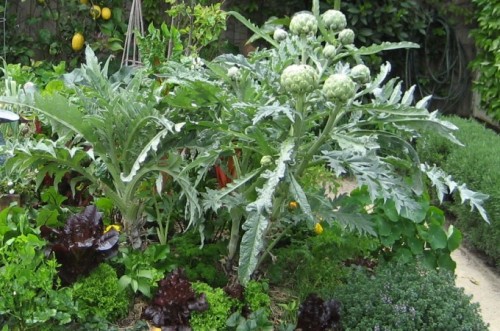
(481, 282)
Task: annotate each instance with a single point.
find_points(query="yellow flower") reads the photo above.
(116, 227)
(293, 205)
(318, 229)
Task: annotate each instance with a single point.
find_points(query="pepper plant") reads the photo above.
(304, 102)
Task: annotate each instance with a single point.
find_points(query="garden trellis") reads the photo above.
(131, 55)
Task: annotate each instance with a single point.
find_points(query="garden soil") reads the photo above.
(472, 274)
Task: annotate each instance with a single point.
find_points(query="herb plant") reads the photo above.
(405, 297)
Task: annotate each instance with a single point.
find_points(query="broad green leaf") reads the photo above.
(124, 281)
(58, 109)
(454, 238)
(446, 262)
(384, 46)
(436, 236)
(253, 28)
(299, 195)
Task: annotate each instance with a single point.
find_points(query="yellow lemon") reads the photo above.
(77, 42)
(84, 2)
(106, 13)
(293, 205)
(318, 229)
(95, 12)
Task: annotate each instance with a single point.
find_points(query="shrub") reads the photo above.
(99, 295)
(477, 165)
(406, 297)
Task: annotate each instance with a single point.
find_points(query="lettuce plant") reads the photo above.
(306, 100)
(81, 245)
(174, 301)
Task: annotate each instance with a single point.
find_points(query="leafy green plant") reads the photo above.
(99, 295)
(477, 164)
(487, 58)
(314, 264)
(81, 245)
(405, 297)
(30, 292)
(143, 269)
(174, 302)
(220, 307)
(306, 101)
(117, 159)
(257, 297)
(256, 321)
(199, 263)
(423, 237)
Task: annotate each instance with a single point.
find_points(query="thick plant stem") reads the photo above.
(299, 119)
(317, 144)
(271, 246)
(235, 234)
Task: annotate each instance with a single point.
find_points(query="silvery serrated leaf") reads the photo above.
(152, 145)
(263, 203)
(159, 183)
(375, 83)
(422, 103)
(273, 110)
(300, 196)
(252, 244)
(396, 94)
(214, 199)
(476, 200)
(408, 96)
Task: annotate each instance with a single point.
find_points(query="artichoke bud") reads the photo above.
(280, 34)
(339, 87)
(334, 20)
(346, 37)
(360, 74)
(234, 73)
(266, 161)
(329, 51)
(299, 78)
(304, 23)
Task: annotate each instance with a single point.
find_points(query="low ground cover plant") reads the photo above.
(398, 296)
(477, 164)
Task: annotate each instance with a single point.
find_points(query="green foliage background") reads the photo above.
(476, 164)
(487, 61)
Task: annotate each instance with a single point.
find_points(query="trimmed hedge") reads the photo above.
(478, 165)
(406, 297)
